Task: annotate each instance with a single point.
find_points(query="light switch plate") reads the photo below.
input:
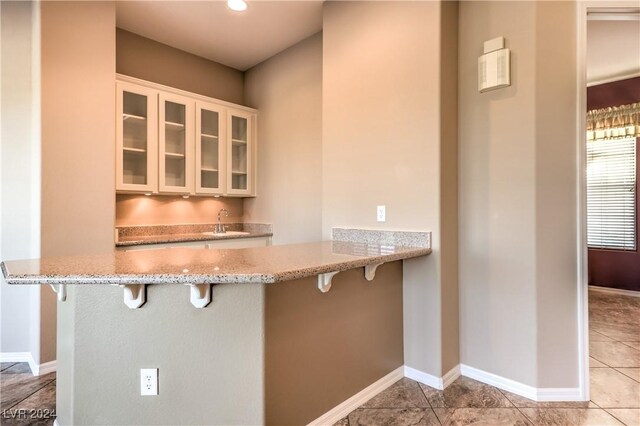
(381, 213)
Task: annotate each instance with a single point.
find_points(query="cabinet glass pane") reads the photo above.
(134, 138)
(209, 148)
(238, 152)
(174, 144)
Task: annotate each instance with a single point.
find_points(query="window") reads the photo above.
(611, 193)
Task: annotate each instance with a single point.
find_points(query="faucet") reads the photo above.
(220, 229)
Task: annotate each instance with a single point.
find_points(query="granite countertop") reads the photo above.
(163, 234)
(206, 266)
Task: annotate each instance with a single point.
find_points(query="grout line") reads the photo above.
(626, 375)
(612, 415)
(31, 394)
(9, 367)
(431, 406)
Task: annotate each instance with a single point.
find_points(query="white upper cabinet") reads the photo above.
(136, 139)
(174, 142)
(240, 147)
(211, 150)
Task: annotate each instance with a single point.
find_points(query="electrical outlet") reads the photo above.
(382, 213)
(148, 381)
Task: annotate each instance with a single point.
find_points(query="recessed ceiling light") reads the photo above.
(237, 5)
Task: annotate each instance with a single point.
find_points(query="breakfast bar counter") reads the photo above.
(186, 265)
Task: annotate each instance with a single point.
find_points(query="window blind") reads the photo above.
(611, 193)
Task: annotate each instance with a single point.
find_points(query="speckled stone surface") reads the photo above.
(162, 234)
(187, 265)
(390, 238)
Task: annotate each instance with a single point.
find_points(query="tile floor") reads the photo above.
(615, 386)
(25, 399)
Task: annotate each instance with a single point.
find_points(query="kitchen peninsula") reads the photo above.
(289, 333)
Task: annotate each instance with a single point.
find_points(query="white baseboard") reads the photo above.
(46, 368)
(530, 392)
(341, 410)
(56, 422)
(431, 380)
(36, 369)
(615, 291)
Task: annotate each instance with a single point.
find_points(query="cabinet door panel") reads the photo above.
(136, 140)
(210, 148)
(240, 153)
(176, 148)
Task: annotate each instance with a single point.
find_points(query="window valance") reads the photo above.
(614, 122)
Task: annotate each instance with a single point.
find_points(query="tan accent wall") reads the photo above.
(173, 210)
(287, 90)
(149, 60)
(384, 104)
(517, 195)
(323, 348)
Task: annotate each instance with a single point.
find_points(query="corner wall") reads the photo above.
(517, 161)
(78, 158)
(20, 176)
(287, 91)
(385, 100)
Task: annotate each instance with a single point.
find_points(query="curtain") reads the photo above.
(614, 122)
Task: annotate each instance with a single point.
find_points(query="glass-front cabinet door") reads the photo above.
(210, 148)
(136, 126)
(240, 152)
(176, 162)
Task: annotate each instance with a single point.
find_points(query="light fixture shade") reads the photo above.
(237, 5)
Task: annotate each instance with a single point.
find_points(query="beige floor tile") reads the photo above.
(594, 363)
(405, 393)
(342, 422)
(634, 373)
(393, 417)
(615, 354)
(594, 336)
(630, 417)
(619, 333)
(577, 417)
(611, 389)
(635, 345)
(488, 417)
(466, 392)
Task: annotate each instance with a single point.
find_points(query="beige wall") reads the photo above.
(20, 173)
(170, 210)
(287, 90)
(517, 196)
(152, 61)
(78, 130)
(383, 104)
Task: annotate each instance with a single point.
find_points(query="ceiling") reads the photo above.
(613, 49)
(211, 30)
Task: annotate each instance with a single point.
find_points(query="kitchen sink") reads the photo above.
(231, 233)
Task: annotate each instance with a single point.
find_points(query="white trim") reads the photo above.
(36, 369)
(56, 422)
(46, 368)
(530, 392)
(173, 90)
(617, 291)
(613, 79)
(430, 380)
(343, 409)
(499, 382)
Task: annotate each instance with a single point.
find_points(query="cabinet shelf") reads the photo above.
(208, 170)
(173, 155)
(238, 142)
(204, 135)
(174, 126)
(126, 116)
(134, 150)
(238, 172)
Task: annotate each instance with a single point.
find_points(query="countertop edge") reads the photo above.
(256, 278)
(185, 239)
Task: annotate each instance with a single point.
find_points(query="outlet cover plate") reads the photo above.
(148, 381)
